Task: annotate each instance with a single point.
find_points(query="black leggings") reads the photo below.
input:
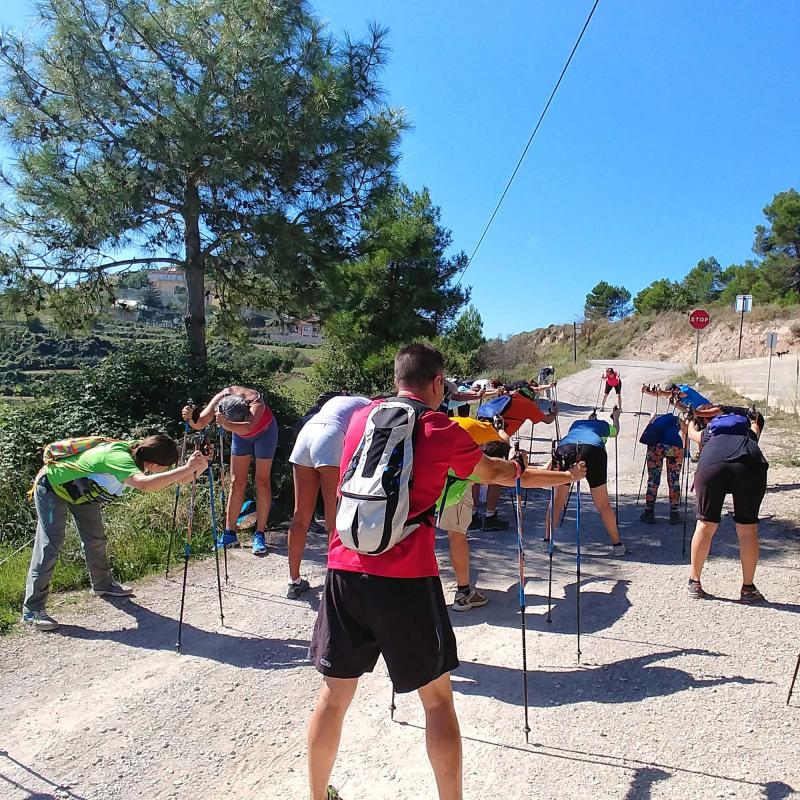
(745, 479)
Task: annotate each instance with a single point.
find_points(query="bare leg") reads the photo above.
(240, 469)
(263, 492)
(492, 496)
(325, 731)
(329, 479)
(748, 550)
(562, 492)
(459, 556)
(306, 487)
(701, 545)
(442, 736)
(603, 506)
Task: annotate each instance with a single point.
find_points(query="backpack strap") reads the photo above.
(420, 409)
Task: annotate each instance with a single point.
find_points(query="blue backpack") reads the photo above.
(663, 429)
(495, 407)
(732, 424)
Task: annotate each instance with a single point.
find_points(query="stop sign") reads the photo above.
(699, 318)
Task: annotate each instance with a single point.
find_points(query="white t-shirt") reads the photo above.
(338, 411)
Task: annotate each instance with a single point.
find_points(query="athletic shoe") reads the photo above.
(648, 517)
(476, 523)
(750, 595)
(114, 590)
(259, 545)
(695, 591)
(227, 540)
(333, 794)
(674, 517)
(296, 589)
(494, 522)
(40, 620)
(616, 550)
(474, 599)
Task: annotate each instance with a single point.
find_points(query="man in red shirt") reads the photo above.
(392, 604)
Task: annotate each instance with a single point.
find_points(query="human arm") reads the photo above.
(196, 463)
(206, 415)
(551, 415)
(535, 478)
(257, 409)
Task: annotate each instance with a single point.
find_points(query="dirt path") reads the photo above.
(672, 699)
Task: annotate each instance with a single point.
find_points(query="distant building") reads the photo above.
(166, 281)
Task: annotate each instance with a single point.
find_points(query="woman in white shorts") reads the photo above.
(315, 465)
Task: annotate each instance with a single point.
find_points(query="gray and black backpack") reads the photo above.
(372, 513)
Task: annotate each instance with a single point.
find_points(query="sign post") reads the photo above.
(698, 319)
(744, 302)
(772, 342)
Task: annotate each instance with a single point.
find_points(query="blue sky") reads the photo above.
(674, 127)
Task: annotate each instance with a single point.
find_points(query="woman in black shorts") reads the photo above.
(731, 462)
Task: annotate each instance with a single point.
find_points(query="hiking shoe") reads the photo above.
(476, 523)
(227, 540)
(695, 591)
(675, 517)
(750, 595)
(464, 602)
(296, 589)
(616, 550)
(40, 620)
(648, 517)
(333, 794)
(113, 590)
(259, 544)
(495, 523)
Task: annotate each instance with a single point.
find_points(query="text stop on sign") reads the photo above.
(699, 318)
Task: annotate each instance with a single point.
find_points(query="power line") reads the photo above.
(530, 140)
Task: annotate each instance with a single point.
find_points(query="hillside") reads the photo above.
(663, 337)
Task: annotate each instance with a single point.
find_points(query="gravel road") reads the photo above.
(672, 698)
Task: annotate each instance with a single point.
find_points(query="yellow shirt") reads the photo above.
(480, 432)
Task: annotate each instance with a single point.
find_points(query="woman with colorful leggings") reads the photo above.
(665, 443)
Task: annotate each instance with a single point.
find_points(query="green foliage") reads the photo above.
(607, 302)
(774, 277)
(134, 280)
(461, 345)
(239, 141)
(403, 289)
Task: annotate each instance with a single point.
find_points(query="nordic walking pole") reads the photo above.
(794, 680)
(530, 455)
(521, 554)
(687, 461)
(578, 556)
(638, 420)
(600, 391)
(222, 494)
(187, 551)
(175, 506)
(616, 475)
(551, 544)
(392, 707)
(641, 480)
(213, 505)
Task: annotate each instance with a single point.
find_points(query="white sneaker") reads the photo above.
(40, 620)
(616, 550)
(114, 590)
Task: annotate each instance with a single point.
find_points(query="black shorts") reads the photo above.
(745, 480)
(404, 619)
(618, 387)
(595, 458)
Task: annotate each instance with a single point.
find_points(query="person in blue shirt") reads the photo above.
(683, 395)
(665, 442)
(589, 435)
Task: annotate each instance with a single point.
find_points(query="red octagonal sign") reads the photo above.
(699, 318)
